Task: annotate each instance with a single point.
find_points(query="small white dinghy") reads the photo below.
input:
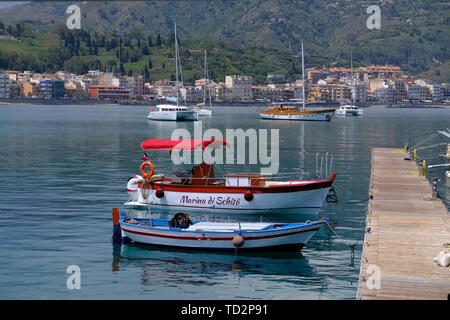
(181, 232)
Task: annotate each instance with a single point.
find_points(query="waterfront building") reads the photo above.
(28, 89)
(438, 93)
(359, 92)
(4, 85)
(139, 86)
(58, 89)
(415, 92)
(45, 87)
(272, 93)
(400, 90)
(222, 93)
(340, 93)
(240, 86)
(321, 91)
(14, 90)
(385, 95)
(109, 92)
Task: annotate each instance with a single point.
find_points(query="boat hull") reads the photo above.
(307, 201)
(306, 116)
(204, 113)
(189, 115)
(349, 112)
(288, 237)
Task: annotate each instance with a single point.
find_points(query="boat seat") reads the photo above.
(179, 177)
(203, 174)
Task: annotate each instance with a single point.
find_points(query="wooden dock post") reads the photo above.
(408, 228)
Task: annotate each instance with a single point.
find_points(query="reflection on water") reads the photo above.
(64, 167)
(159, 266)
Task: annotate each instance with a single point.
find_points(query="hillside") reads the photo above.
(413, 35)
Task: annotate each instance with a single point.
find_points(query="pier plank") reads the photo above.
(407, 230)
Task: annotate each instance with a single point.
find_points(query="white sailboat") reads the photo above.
(168, 112)
(351, 109)
(200, 108)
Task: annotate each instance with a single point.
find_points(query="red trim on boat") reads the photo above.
(255, 189)
(215, 238)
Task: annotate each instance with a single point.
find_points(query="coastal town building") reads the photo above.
(45, 87)
(359, 92)
(4, 85)
(240, 86)
(371, 84)
(109, 92)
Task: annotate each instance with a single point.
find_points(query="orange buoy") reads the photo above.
(238, 241)
(145, 174)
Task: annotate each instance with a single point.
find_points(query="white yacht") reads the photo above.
(170, 112)
(349, 110)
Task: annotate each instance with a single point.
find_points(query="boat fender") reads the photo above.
(159, 193)
(248, 195)
(443, 258)
(147, 175)
(238, 241)
(132, 185)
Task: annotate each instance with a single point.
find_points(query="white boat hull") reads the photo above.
(322, 116)
(308, 202)
(189, 115)
(204, 113)
(349, 112)
(292, 236)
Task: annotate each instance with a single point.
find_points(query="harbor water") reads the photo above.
(63, 169)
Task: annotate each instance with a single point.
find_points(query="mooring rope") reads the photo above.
(350, 245)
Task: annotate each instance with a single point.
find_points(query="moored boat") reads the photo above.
(181, 232)
(167, 112)
(290, 111)
(200, 190)
(349, 110)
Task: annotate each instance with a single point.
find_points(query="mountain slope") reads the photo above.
(414, 35)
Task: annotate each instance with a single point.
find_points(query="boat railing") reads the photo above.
(293, 177)
(324, 165)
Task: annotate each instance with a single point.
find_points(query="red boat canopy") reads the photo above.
(186, 144)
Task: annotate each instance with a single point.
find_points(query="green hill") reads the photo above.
(414, 34)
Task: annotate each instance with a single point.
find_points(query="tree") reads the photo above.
(146, 74)
(150, 44)
(130, 72)
(150, 64)
(158, 40)
(122, 69)
(145, 50)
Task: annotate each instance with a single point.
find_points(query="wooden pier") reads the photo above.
(407, 230)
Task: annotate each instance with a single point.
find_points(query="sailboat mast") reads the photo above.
(351, 67)
(176, 63)
(204, 84)
(303, 78)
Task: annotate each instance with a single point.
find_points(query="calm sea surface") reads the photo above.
(63, 168)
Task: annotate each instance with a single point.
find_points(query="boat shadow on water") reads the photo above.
(168, 264)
